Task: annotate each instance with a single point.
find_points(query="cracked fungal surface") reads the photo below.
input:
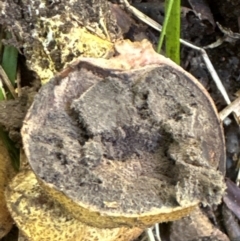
(125, 142)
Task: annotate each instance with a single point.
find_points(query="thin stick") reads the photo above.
(7, 82)
(233, 107)
(157, 230)
(215, 76)
(18, 81)
(150, 234)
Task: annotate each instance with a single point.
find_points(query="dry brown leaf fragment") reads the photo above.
(6, 173)
(230, 223)
(195, 227)
(202, 10)
(232, 197)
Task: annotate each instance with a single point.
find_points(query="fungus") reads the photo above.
(125, 142)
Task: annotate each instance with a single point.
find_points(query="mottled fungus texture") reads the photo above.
(132, 140)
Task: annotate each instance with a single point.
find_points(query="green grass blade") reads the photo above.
(9, 61)
(173, 33)
(2, 92)
(9, 64)
(168, 8)
(12, 150)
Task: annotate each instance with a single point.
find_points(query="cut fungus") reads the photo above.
(125, 142)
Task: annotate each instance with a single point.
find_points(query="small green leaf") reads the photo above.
(9, 61)
(9, 65)
(173, 33)
(2, 92)
(168, 8)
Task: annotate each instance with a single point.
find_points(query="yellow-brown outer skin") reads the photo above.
(42, 219)
(108, 220)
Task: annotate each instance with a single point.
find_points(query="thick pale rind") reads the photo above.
(165, 214)
(41, 219)
(6, 173)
